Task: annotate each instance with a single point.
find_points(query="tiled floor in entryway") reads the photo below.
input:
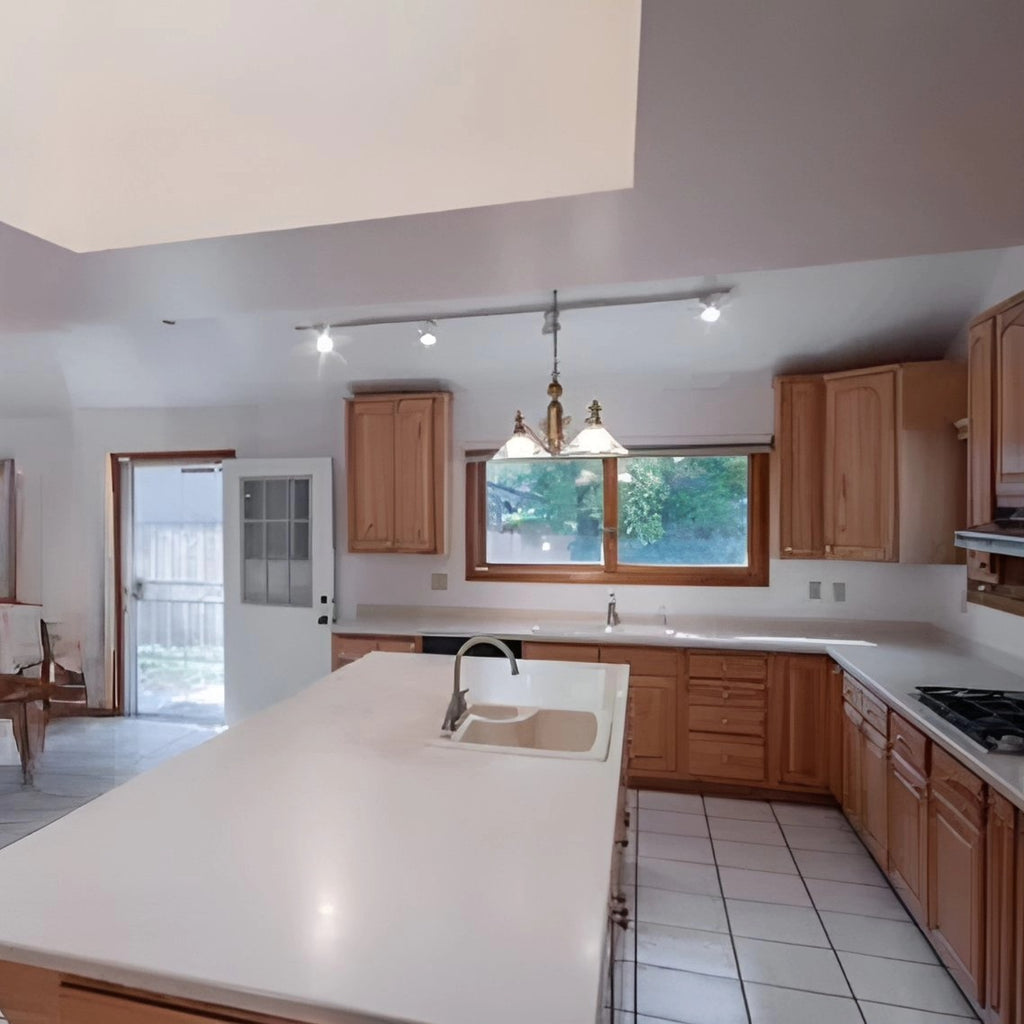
(769, 913)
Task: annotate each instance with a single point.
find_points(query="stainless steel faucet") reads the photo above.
(613, 615)
(457, 705)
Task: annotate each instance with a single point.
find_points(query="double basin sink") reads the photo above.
(551, 709)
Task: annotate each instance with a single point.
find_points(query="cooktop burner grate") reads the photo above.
(993, 718)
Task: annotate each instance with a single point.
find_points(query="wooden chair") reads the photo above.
(26, 702)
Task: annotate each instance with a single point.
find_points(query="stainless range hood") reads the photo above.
(1004, 536)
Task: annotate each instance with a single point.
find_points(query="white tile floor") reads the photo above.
(748, 912)
(84, 757)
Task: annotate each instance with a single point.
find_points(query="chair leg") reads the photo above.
(21, 738)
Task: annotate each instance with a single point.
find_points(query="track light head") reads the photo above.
(324, 341)
(711, 307)
(428, 333)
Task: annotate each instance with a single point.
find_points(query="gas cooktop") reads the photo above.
(993, 718)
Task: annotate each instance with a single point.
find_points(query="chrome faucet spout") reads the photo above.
(457, 704)
(613, 615)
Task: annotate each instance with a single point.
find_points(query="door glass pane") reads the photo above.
(253, 540)
(252, 499)
(276, 542)
(302, 584)
(300, 540)
(254, 582)
(277, 499)
(300, 499)
(545, 511)
(277, 582)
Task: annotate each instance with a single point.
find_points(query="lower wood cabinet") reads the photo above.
(800, 728)
(852, 800)
(651, 725)
(956, 870)
(908, 815)
(875, 793)
(1002, 896)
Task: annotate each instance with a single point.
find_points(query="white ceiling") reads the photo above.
(126, 123)
(792, 320)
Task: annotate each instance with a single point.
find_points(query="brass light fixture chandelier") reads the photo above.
(592, 441)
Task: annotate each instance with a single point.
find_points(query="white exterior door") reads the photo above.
(278, 579)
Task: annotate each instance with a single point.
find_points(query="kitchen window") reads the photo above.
(675, 517)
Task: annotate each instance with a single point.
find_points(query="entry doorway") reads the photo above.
(170, 535)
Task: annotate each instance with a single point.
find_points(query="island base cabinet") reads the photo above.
(956, 871)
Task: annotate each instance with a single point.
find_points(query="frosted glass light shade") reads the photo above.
(594, 440)
(523, 444)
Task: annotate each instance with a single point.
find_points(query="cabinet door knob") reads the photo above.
(787, 549)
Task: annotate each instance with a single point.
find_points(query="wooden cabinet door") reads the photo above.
(908, 835)
(875, 794)
(852, 744)
(956, 871)
(981, 423)
(414, 474)
(799, 732)
(536, 651)
(651, 725)
(1010, 405)
(1002, 894)
(371, 469)
(860, 466)
(800, 449)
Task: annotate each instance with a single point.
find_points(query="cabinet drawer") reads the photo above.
(728, 666)
(908, 743)
(559, 652)
(349, 648)
(727, 695)
(399, 645)
(642, 661)
(875, 712)
(959, 787)
(714, 758)
(736, 720)
(852, 691)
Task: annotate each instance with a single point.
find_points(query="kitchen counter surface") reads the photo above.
(327, 860)
(890, 657)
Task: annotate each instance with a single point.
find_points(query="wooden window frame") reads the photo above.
(753, 574)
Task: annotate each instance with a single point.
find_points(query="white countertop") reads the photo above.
(325, 860)
(891, 657)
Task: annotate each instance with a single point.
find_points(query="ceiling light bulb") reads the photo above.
(710, 313)
(428, 335)
(324, 341)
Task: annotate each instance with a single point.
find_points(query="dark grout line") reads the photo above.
(821, 922)
(728, 921)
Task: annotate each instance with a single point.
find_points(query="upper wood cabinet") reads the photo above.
(398, 471)
(1009, 329)
(860, 466)
(890, 482)
(800, 444)
(981, 423)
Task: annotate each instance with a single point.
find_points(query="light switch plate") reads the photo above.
(814, 590)
(839, 591)
(439, 581)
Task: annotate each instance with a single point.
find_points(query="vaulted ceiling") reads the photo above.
(768, 136)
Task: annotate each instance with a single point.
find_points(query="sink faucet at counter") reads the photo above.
(457, 705)
(613, 615)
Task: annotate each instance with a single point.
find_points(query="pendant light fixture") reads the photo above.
(592, 441)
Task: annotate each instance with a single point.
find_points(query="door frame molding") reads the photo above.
(117, 656)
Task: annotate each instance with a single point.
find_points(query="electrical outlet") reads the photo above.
(439, 581)
(814, 590)
(839, 591)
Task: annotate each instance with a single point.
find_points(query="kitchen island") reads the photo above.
(326, 861)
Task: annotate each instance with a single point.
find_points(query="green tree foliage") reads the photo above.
(673, 510)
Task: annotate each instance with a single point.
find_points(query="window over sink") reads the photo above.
(665, 517)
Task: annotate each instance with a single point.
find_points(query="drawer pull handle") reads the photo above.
(725, 721)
